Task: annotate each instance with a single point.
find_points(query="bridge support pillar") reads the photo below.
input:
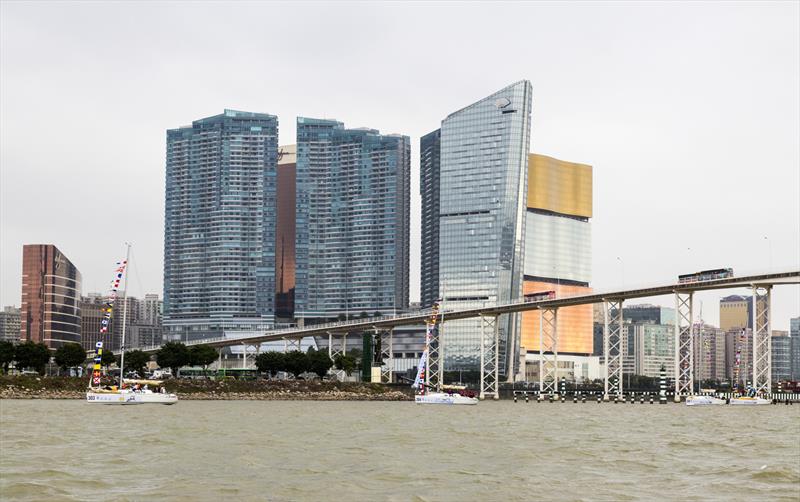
(334, 351)
(684, 345)
(290, 344)
(612, 347)
(387, 353)
(489, 357)
(434, 370)
(548, 350)
(762, 339)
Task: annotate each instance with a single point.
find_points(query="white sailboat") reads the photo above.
(751, 399)
(121, 395)
(704, 401)
(424, 394)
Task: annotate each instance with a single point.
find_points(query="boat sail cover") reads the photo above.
(420, 371)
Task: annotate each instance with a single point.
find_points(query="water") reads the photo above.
(364, 451)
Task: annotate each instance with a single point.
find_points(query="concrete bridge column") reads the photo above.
(684, 345)
(612, 346)
(548, 350)
(489, 357)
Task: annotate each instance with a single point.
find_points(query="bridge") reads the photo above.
(613, 300)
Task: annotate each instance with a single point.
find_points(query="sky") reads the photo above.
(689, 113)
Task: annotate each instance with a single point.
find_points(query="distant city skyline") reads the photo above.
(692, 139)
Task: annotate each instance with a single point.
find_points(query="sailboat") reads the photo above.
(426, 395)
(113, 394)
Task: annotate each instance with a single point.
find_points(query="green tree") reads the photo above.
(107, 358)
(296, 363)
(345, 362)
(377, 314)
(136, 360)
(341, 317)
(319, 362)
(32, 355)
(202, 355)
(363, 315)
(173, 355)
(70, 355)
(271, 362)
(7, 351)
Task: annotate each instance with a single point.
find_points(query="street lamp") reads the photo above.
(622, 271)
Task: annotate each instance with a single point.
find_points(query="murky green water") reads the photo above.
(363, 451)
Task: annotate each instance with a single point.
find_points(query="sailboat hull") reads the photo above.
(444, 398)
(118, 398)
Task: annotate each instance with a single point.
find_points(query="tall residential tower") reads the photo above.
(219, 232)
(352, 220)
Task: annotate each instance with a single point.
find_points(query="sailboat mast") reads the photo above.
(124, 317)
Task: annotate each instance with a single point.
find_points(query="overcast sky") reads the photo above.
(689, 113)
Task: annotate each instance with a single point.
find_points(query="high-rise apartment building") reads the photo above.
(429, 165)
(653, 346)
(285, 212)
(352, 214)
(219, 232)
(739, 356)
(558, 248)
(150, 310)
(781, 347)
(51, 290)
(736, 312)
(709, 352)
(9, 324)
(646, 312)
(482, 178)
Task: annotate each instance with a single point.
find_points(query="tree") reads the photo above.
(345, 362)
(296, 363)
(271, 362)
(32, 355)
(341, 317)
(319, 362)
(202, 355)
(377, 314)
(107, 358)
(70, 355)
(7, 351)
(136, 360)
(363, 315)
(173, 355)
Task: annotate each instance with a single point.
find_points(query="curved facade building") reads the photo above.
(482, 193)
(51, 292)
(558, 248)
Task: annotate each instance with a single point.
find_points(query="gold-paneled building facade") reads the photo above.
(558, 248)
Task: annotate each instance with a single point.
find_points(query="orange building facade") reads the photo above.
(558, 248)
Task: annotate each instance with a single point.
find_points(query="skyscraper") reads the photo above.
(219, 232)
(352, 214)
(558, 248)
(482, 189)
(51, 290)
(429, 166)
(285, 217)
(735, 312)
(9, 324)
(794, 348)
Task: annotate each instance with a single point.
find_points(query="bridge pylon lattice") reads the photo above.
(334, 351)
(762, 339)
(434, 371)
(385, 342)
(290, 344)
(490, 378)
(612, 347)
(548, 351)
(684, 344)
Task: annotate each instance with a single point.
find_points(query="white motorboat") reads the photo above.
(703, 401)
(151, 392)
(444, 398)
(749, 401)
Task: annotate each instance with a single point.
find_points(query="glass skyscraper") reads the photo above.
(352, 220)
(429, 165)
(482, 201)
(219, 231)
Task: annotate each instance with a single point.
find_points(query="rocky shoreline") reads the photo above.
(210, 390)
